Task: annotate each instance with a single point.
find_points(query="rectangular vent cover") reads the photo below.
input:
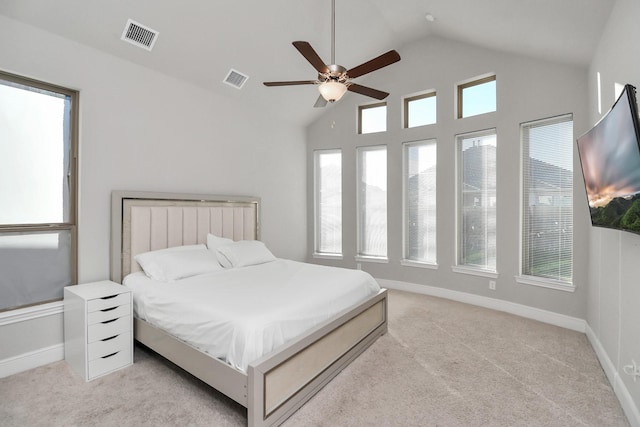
(236, 79)
(139, 35)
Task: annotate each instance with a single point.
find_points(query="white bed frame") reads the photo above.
(279, 383)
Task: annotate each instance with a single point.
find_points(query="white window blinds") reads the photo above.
(372, 201)
(547, 198)
(328, 202)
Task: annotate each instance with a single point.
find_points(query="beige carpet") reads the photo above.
(442, 363)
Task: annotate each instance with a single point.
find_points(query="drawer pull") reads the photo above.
(109, 309)
(110, 338)
(110, 296)
(109, 321)
(110, 355)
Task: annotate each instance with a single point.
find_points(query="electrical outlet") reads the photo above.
(492, 285)
(633, 369)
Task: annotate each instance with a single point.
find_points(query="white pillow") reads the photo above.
(177, 263)
(214, 242)
(244, 253)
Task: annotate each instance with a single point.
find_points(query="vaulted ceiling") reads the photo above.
(201, 40)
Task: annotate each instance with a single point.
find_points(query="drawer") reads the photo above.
(108, 302)
(110, 362)
(109, 345)
(108, 314)
(100, 331)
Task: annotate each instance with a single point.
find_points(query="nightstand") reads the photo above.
(98, 328)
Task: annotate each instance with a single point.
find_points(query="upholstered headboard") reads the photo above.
(142, 222)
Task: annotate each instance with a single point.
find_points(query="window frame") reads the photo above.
(317, 253)
(361, 108)
(407, 100)
(471, 83)
(359, 231)
(460, 267)
(71, 224)
(529, 279)
(405, 206)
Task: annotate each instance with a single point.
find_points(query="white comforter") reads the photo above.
(240, 314)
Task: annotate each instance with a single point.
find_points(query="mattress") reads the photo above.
(241, 314)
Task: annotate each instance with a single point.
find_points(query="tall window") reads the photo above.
(372, 202)
(477, 97)
(420, 110)
(38, 140)
(547, 198)
(477, 199)
(420, 201)
(328, 202)
(372, 118)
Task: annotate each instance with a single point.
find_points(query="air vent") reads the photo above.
(139, 35)
(236, 79)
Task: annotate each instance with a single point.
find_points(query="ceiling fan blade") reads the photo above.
(291, 83)
(320, 102)
(374, 64)
(367, 91)
(310, 55)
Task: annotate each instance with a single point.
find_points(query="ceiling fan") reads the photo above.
(334, 80)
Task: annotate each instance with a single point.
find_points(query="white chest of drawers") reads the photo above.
(98, 328)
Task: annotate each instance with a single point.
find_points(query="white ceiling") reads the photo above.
(200, 40)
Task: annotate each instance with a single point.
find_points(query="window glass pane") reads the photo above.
(328, 175)
(420, 201)
(547, 223)
(35, 266)
(477, 195)
(372, 201)
(421, 111)
(34, 155)
(373, 118)
(478, 98)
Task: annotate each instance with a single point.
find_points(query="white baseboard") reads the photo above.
(33, 359)
(545, 316)
(626, 401)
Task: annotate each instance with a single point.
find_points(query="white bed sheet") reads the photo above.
(240, 314)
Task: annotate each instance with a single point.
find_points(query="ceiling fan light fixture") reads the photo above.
(332, 91)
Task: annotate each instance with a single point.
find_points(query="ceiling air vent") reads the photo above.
(139, 35)
(235, 78)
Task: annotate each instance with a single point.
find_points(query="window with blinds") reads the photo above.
(372, 202)
(328, 202)
(477, 199)
(420, 201)
(547, 198)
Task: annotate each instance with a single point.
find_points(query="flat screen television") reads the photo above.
(610, 160)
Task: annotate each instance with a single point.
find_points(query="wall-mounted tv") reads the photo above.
(610, 159)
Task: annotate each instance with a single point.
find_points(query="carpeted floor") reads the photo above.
(442, 363)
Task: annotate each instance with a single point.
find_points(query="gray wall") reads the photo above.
(614, 268)
(527, 89)
(141, 130)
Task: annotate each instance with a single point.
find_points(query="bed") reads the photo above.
(276, 383)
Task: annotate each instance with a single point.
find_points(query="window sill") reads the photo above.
(546, 283)
(492, 274)
(418, 264)
(327, 256)
(379, 260)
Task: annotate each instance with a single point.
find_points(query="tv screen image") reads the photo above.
(610, 159)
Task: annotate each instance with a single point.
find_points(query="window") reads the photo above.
(420, 110)
(372, 202)
(328, 202)
(420, 201)
(38, 134)
(547, 199)
(372, 118)
(477, 200)
(477, 97)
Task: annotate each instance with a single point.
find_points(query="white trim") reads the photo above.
(620, 389)
(29, 313)
(326, 256)
(474, 271)
(545, 283)
(379, 260)
(418, 264)
(540, 315)
(32, 359)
